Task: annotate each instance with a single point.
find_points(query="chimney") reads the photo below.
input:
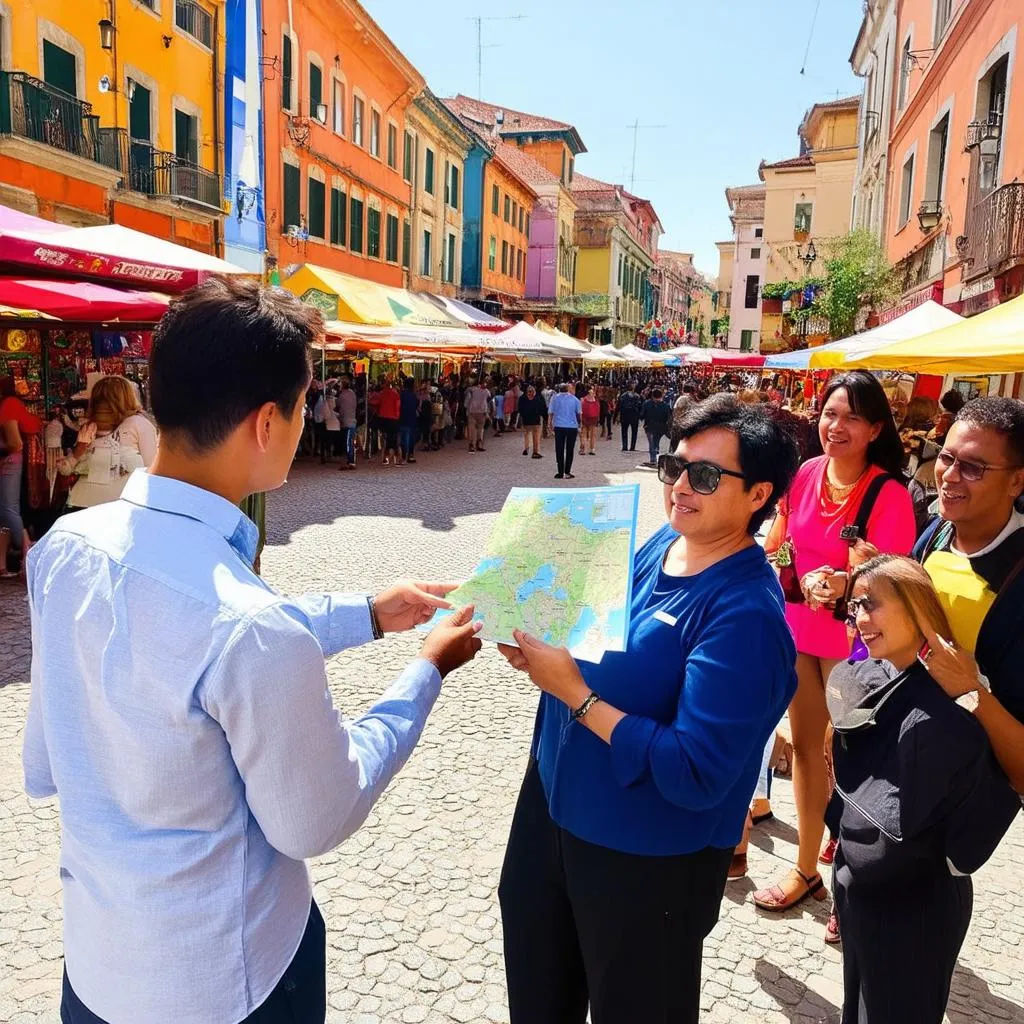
(499, 121)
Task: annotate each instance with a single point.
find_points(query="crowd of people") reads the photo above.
(168, 724)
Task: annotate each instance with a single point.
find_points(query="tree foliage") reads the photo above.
(857, 275)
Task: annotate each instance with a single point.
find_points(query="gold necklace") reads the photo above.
(836, 494)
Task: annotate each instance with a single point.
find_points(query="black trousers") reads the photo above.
(630, 423)
(587, 925)
(565, 447)
(300, 997)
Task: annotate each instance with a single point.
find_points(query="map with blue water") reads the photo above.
(558, 565)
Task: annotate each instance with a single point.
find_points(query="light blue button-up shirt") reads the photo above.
(564, 410)
(180, 711)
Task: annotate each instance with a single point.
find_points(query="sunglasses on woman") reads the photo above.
(704, 476)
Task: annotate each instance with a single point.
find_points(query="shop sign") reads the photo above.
(979, 287)
(110, 266)
(326, 302)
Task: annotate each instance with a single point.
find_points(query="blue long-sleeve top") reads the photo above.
(707, 674)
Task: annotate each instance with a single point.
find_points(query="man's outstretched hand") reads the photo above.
(410, 603)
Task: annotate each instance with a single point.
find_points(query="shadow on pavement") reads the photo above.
(794, 999)
(974, 993)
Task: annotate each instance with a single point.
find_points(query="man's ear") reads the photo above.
(264, 422)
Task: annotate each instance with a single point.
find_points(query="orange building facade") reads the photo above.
(508, 205)
(955, 208)
(339, 160)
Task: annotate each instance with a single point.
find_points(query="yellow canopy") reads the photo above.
(991, 342)
(358, 301)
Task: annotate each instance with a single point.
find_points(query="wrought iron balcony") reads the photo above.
(993, 241)
(983, 131)
(32, 109)
(158, 173)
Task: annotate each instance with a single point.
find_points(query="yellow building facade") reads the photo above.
(119, 107)
(808, 199)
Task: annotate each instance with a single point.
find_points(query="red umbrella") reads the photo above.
(82, 300)
(740, 360)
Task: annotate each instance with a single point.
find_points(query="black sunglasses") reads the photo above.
(704, 476)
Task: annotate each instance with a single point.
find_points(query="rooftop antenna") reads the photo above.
(480, 19)
(636, 126)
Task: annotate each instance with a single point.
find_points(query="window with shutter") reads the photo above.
(454, 202)
(292, 202)
(286, 72)
(338, 211)
(355, 233)
(428, 171)
(406, 243)
(316, 90)
(391, 239)
(373, 233)
(315, 203)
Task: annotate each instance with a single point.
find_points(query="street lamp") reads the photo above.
(929, 215)
(106, 34)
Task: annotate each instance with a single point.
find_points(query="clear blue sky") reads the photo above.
(722, 76)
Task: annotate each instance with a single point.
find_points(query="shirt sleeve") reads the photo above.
(339, 621)
(35, 755)
(892, 527)
(737, 671)
(310, 777)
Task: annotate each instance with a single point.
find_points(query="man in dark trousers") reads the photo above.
(630, 403)
(656, 416)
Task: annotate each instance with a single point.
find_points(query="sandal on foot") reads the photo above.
(832, 936)
(738, 867)
(775, 899)
(828, 854)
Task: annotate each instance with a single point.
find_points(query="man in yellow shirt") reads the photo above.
(974, 554)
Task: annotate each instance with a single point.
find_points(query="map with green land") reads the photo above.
(558, 565)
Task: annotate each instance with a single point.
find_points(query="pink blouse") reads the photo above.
(814, 526)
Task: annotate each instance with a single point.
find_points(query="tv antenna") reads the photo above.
(636, 126)
(480, 19)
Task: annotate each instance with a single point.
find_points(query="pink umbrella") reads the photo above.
(82, 300)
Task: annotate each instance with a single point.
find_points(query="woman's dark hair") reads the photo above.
(768, 453)
(225, 348)
(866, 398)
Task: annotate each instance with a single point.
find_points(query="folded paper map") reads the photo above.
(558, 565)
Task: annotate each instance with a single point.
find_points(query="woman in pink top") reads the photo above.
(591, 415)
(860, 442)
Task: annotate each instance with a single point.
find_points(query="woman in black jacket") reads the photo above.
(920, 803)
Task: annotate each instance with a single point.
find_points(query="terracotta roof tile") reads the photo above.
(583, 183)
(794, 161)
(515, 120)
(523, 166)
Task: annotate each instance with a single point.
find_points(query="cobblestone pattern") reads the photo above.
(410, 901)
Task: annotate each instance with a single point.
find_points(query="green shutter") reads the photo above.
(286, 72)
(391, 239)
(455, 189)
(494, 200)
(428, 172)
(59, 68)
(406, 243)
(373, 233)
(338, 212)
(316, 89)
(356, 227)
(315, 195)
(292, 204)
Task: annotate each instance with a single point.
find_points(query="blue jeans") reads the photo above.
(349, 440)
(406, 440)
(654, 444)
(10, 497)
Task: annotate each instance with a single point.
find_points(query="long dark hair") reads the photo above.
(867, 399)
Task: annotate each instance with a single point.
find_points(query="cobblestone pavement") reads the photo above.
(410, 901)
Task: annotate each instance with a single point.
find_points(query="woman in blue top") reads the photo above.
(634, 799)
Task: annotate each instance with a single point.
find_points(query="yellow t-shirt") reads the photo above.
(966, 597)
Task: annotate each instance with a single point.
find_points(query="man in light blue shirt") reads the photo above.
(179, 706)
(565, 412)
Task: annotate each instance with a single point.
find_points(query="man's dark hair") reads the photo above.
(768, 454)
(1003, 415)
(688, 389)
(409, 383)
(952, 401)
(655, 393)
(222, 350)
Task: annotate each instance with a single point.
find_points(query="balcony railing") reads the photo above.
(157, 173)
(32, 109)
(994, 236)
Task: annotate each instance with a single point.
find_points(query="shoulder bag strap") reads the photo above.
(867, 504)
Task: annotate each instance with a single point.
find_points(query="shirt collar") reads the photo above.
(1014, 523)
(163, 494)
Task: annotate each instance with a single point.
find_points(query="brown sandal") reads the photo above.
(774, 898)
(738, 867)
